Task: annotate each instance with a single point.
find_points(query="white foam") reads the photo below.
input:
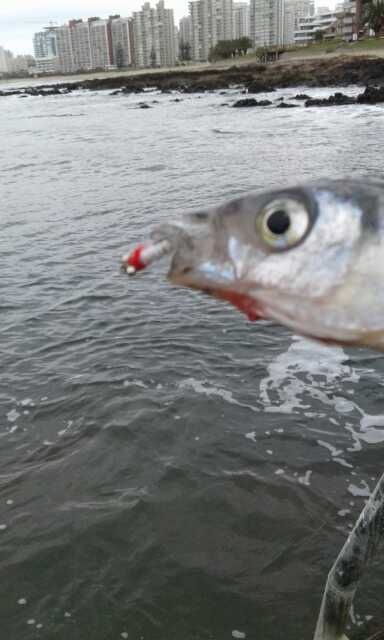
(361, 492)
(239, 635)
(309, 370)
(306, 478)
(13, 415)
(330, 447)
(282, 389)
(206, 389)
(27, 402)
(66, 429)
(135, 383)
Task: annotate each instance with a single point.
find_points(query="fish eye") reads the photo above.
(281, 224)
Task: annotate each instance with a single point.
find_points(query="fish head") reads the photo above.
(309, 257)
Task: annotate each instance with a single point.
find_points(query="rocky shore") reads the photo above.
(253, 78)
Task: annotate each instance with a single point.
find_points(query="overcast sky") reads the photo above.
(20, 19)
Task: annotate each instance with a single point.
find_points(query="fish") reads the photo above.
(309, 257)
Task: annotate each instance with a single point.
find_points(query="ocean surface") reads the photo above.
(168, 470)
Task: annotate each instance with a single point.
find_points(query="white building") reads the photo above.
(121, 42)
(66, 61)
(324, 21)
(185, 29)
(293, 12)
(166, 27)
(154, 36)
(45, 50)
(240, 20)
(81, 45)
(100, 43)
(267, 22)
(212, 20)
(146, 37)
(6, 61)
(224, 17)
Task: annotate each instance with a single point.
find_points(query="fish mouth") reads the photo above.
(243, 302)
(237, 296)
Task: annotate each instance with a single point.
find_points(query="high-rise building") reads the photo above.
(45, 50)
(212, 20)
(100, 42)
(266, 22)
(224, 18)
(44, 43)
(166, 27)
(154, 36)
(66, 60)
(6, 61)
(81, 44)
(146, 37)
(121, 41)
(185, 29)
(240, 19)
(94, 44)
(293, 12)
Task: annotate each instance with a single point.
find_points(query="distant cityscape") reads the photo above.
(149, 38)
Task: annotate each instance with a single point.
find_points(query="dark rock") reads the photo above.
(301, 96)
(144, 105)
(285, 105)
(337, 99)
(371, 95)
(251, 102)
(177, 100)
(259, 86)
(246, 102)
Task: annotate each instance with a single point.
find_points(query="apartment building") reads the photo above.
(45, 50)
(167, 35)
(185, 29)
(66, 61)
(295, 10)
(240, 19)
(154, 36)
(211, 21)
(323, 21)
(6, 61)
(100, 42)
(121, 41)
(267, 22)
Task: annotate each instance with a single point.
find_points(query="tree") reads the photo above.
(243, 44)
(230, 48)
(319, 36)
(374, 16)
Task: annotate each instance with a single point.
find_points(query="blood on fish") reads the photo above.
(242, 302)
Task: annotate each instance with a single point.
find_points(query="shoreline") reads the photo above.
(336, 71)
